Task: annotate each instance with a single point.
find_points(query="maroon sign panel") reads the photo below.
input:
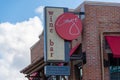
(68, 26)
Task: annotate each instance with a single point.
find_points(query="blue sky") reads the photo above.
(19, 10)
(21, 22)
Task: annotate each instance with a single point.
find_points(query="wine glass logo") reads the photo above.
(74, 28)
(68, 26)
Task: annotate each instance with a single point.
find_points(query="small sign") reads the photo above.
(68, 26)
(56, 49)
(57, 70)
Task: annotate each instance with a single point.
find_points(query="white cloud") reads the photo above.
(15, 42)
(40, 10)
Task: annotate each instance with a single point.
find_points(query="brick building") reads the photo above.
(101, 29)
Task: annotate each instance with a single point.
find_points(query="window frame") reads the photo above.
(102, 48)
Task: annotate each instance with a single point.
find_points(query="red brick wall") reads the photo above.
(97, 19)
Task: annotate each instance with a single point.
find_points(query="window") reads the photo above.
(111, 59)
(114, 67)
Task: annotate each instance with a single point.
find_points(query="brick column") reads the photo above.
(92, 69)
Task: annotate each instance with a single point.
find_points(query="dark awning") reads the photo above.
(114, 43)
(74, 49)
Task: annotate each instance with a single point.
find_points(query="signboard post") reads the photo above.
(56, 49)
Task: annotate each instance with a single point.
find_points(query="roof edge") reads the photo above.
(26, 69)
(101, 3)
(97, 3)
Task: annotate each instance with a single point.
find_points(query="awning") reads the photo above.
(73, 49)
(70, 54)
(33, 75)
(114, 43)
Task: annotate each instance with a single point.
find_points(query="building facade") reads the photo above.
(101, 29)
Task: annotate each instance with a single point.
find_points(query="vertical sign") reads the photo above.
(56, 48)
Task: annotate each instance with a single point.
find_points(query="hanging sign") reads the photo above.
(68, 26)
(57, 70)
(56, 48)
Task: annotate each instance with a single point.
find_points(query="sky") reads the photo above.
(21, 22)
